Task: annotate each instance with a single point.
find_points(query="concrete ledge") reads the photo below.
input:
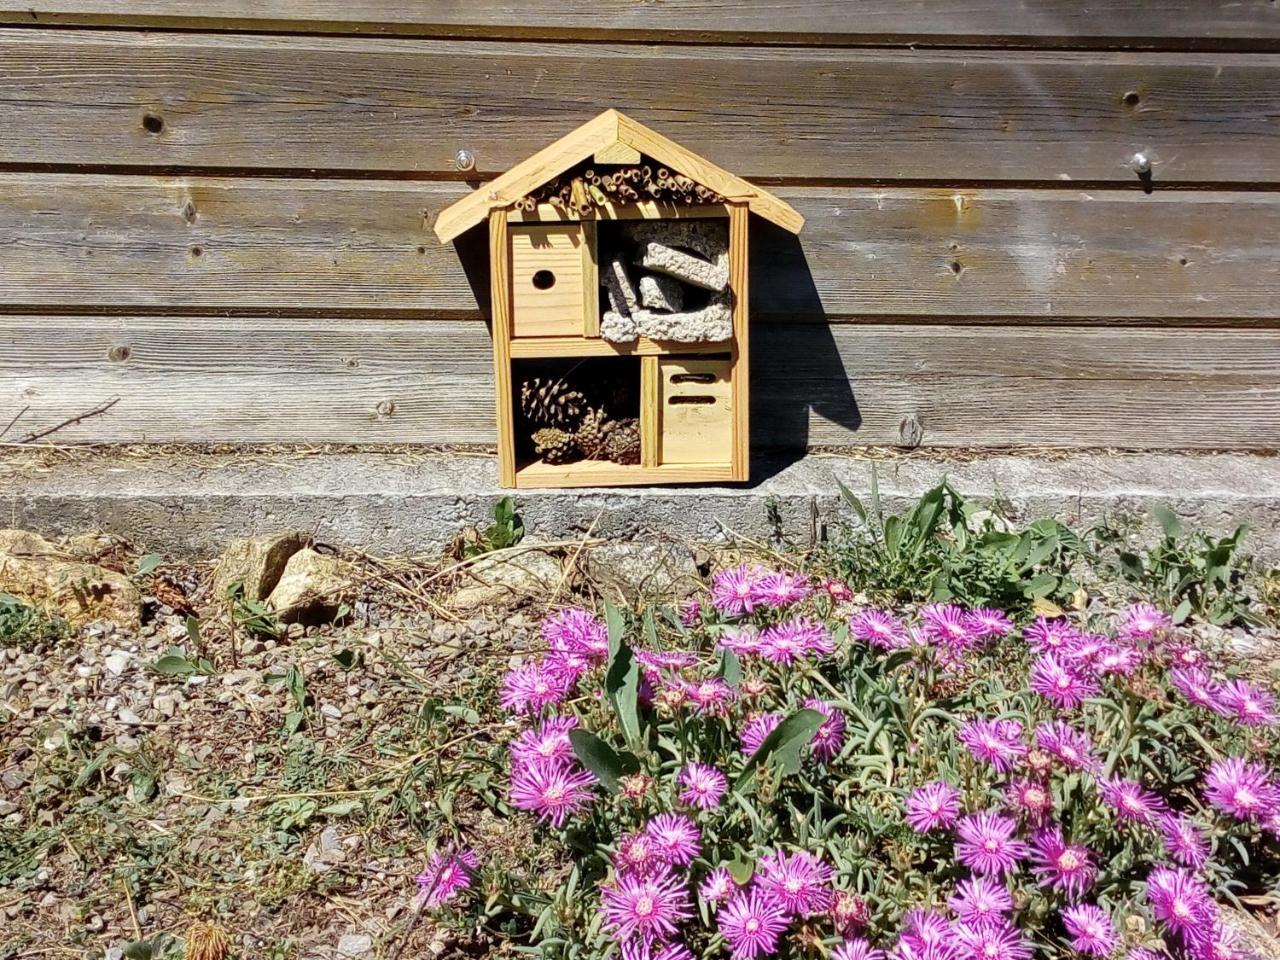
(393, 503)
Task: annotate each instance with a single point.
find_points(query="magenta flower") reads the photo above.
(691, 613)
(1059, 684)
(744, 640)
(1047, 635)
(1143, 622)
(1143, 953)
(837, 590)
(704, 786)
(1180, 900)
(932, 806)
(751, 923)
(980, 900)
(1184, 841)
(1131, 801)
(710, 695)
(550, 741)
(718, 886)
(677, 837)
(1186, 655)
(1196, 685)
(576, 630)
(447, 874)
(530, 688)
(922, 929)
(1084, 650)
(1031, 798)
(733, 591)
(987, 845)
(1067, 744)
(1241, 789)
(849, 913)
(554, 791)
(856, 948)
(1090, 929)
(669, 951)
(664, 659)
(800, 882)
(754, 733)
(640, 855)
(877, 628)
(948, 625)
(1000, 940)
(1059, 865)
(647, 909)
(986, 622)
(782, 589)
(568, 666)
(997, 742)
(788, 642)
(1116, 659)
(1251, 706)
(829, 740)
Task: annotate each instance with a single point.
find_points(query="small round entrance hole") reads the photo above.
(152, 123)
(544, 280)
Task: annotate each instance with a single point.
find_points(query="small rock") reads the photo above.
(7, 807)
(354, 945)
(312, 586)
(128, 716)
(166, 705)
(330, 711)
(631, 570)
(329, 839)
(96, 924)
(113, 953)
(32, 569)
(256, 562)
(506, 577)
(116, 663)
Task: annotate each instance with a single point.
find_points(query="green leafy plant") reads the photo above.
(177, 663)
(507, 530)
(251, 614)
(25, 626)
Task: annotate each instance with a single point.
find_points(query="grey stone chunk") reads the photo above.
(508, 575)
(695, 251)
(631, 571)
(621, 291)
(661, 293)
(707, 274)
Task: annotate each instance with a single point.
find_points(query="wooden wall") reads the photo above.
(220, 211)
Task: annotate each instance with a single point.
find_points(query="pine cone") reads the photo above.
(554, 446)
(550, 401)
(622, 445)
(593, 433)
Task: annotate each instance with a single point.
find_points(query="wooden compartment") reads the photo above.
(695, 410)
(554, 280)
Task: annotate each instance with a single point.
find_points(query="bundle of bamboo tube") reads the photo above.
(579, 191)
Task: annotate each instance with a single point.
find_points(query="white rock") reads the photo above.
(330, 711)
(128, 716)
(116, 663)
(354, 945)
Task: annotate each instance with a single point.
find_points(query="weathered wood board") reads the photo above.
(248, 102)
(217, 379)
(986, 22)
(93, 241)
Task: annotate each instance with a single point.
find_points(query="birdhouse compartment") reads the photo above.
(553, 280)
(695, 410)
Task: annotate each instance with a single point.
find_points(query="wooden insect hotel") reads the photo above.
(619, 302)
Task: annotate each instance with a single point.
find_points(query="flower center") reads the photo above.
(991, 845)
(1069, 861)
(1181, 910)
(554, 793)
(1245, 797)
(644, 906)
(1064, 682)
(752, 925)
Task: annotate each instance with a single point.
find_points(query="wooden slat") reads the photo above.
(332, 380)
(355, 104)
(130, 242)
(831, 21)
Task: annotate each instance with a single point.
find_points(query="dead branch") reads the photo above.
(16, 417)
(70, 421)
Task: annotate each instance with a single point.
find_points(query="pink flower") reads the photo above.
(849, 913)
(949, 626)
(829, 739)
(447, 873)
(577, 631)
(733, 591)
(1069, 745)
(647, 909)
(1117, 659)
(677, 838)
(800, 882)
(782, 589)
(744, 640)
(1084, 650)
(981, 900)
(691, 613)
(530, 688)
(751, 923)
(1180, 900)
(547, 742)
(1196, 685)
(997, 742)
(922, 929)
(640, 855)
(704, 786)
(1251, 706)
(553, 791)
(932, 806)
(673, 951)
(837, 590)
(1000, 940)
(1131, 801)
(987, 845)
(1059, 684)
(1241, 789)
(664, 659)
(710, 695)
(856, 948)
(718, 886)
(754, 733)
(1186, 655)
(1047, 635)
(1059, 865)
(1143, 621)
(877, 628)
(1031, 798)
(568, 666)
(1090, 929)
(1184, 841)
(788, 642)
(987, 622)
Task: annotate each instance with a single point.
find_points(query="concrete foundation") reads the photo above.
(393, 503)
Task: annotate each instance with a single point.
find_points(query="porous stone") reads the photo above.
(619, 288)
(628, 571)
(312, 586)
(658, 292)
(711, 324)
(33, 570)
(256, 562)
(353, 946)
(683, 266)
(501, 578)
(695, 251)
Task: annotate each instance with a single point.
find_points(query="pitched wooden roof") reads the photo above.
(608, 131)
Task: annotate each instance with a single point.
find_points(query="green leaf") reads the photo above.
(1182, 611)
(622, 678)
(730, 670)
(1168, 520)
(147, 565)
(741, 869)
(463, 713)
(782, 746)
(598, 757)
(174, 665)
(193, 630)
(292, 721)
(851, 499)
(1041, 586)
(342, 808)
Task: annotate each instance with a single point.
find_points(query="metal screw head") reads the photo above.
(464, 160)
(1141, 163)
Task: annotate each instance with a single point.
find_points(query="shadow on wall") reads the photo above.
(795, 365)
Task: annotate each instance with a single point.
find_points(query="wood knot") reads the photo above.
(386, 408)
(119, 353)
(910, 432)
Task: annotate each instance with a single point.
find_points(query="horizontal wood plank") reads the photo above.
(831, 21)
(332, 380)
(88, 242)
(245, 102)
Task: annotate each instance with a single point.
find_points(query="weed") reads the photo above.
(24, 626)
(507, 530)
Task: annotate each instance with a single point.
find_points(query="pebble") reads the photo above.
(116, 663)
(354, 945)
(166, 705)
(128, 716)
(330, 711)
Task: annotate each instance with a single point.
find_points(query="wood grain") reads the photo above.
(248, 102)
(831, 21)
(89, 242)
(333, 380)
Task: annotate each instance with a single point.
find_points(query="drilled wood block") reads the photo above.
(549, 286)
(695, 411)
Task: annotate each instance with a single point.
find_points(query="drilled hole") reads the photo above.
(1182, 260)
(152, 124)
(700, 401)
(422, 250)
(1132, 98)
(693, 378)
(956, 267)
(544, 280)
(197, 251)
(119, 353)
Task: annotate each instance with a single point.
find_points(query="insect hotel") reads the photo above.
(619, 302)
